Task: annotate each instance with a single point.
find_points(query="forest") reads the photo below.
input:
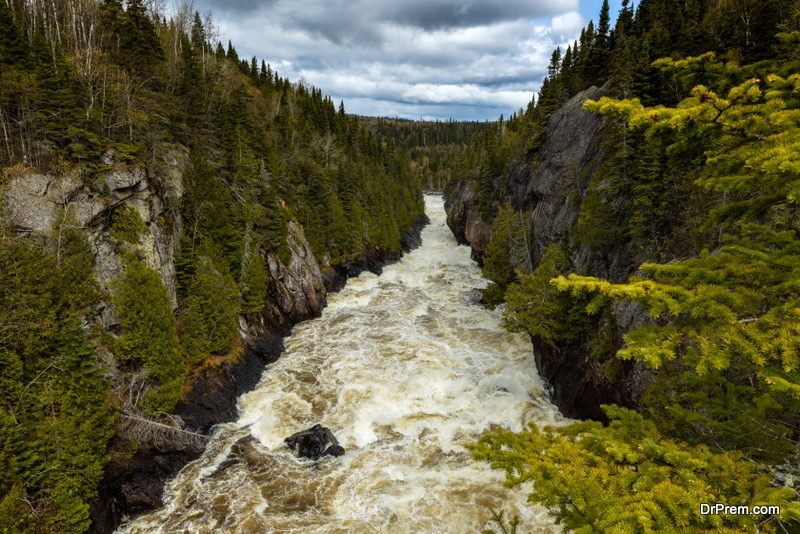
(690, 218)
(693, 211)
(89, 89)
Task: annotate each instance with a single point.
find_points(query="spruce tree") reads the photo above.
(147, 323)
(13, 45)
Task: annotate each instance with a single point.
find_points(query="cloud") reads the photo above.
(470, 59)
(432, 15)
(568, 24)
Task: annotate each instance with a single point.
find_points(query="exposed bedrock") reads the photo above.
(546, 183)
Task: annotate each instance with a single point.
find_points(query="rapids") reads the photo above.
(405, 369)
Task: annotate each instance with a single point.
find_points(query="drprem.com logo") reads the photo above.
(718, 509)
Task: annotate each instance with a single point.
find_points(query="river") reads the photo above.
(405, 369)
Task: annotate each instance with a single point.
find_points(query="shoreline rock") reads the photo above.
(134, 484)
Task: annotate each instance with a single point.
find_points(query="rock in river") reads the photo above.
(315, 443)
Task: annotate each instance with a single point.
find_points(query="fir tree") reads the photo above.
(535, 307)
(508, 254)
(254, 282)
(148, 325)
(13, 45)
(212, 313)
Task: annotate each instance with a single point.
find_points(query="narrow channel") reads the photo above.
(406, 369)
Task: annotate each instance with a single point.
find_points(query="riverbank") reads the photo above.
(406, 370)
(133, 481)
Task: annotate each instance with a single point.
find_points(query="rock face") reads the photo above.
(545, 184)
(42, 204)
(314, 443)
(465, 221)
(297, 287)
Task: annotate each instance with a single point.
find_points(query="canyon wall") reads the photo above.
(550, 183)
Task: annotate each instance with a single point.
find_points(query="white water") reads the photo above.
(406, 371)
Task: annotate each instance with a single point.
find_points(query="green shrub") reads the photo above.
(127, 225)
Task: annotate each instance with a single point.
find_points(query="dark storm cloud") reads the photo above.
(435, 15)
(431, 58)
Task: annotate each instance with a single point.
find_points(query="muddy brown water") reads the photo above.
(406, 370)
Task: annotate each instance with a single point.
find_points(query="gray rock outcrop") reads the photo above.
(298, 287)
(42, 204)
(548, 183)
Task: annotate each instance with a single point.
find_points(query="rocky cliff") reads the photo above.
(550, 184)
(48, 204)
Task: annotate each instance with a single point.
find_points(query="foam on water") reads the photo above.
(406, 371)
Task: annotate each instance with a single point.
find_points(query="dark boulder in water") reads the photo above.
(315, 443)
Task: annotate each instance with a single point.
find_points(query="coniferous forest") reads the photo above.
(92, 88)
(690, 219)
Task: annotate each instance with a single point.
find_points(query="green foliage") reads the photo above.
(56, 416)
(505, 528)
(753, 126)
(163, 398)
(127, 225)
(148, 326)
(726, 332)
(713, 298)
(597, 226)
(211, 322)
(507, 253)
(208, 210)
(148, 331)
(253, 283)
(537, 308)
(15, 514)
(272, 227)
(627, 477)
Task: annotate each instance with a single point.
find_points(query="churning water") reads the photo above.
(405, 369)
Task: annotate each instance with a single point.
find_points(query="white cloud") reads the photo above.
(567, 25)
(433, 58)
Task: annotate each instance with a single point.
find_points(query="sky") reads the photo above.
(415, 59)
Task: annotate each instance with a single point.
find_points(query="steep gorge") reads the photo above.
(550, 184)
(45, 204)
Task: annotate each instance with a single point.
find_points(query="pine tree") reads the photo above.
(535, 307)
(198, 34)
(231, 54)
(139, 45)
(508, 253)
(627, 477)
(624, 19)
(600, 50)
(13, 45)
(210, 323)
(254, 282)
